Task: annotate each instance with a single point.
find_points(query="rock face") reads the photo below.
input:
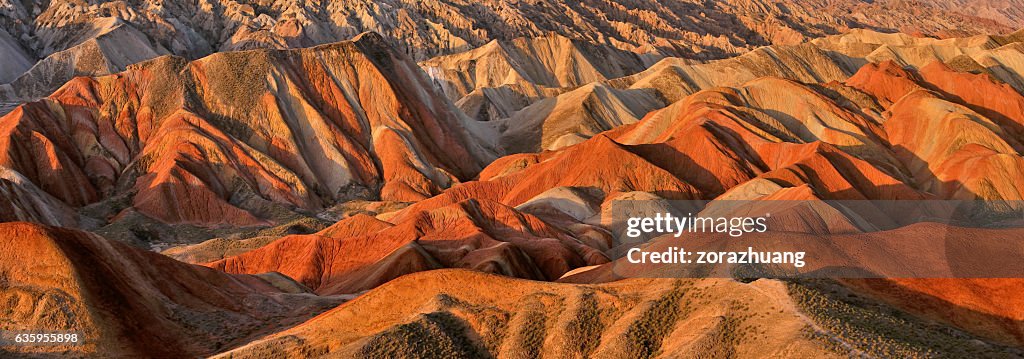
(481, 235)
(769, 138)
(96, 38)
(536, 112)
(23, 201)
(350, 170)
(834, 141)
(106, 46)
(125, 302)
(567, 119)
(228, 138)
(550, 61)
(15, 59)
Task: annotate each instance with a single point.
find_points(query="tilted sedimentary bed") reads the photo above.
(65, 38)
(297, 179)
(125, 301)
(300, 129)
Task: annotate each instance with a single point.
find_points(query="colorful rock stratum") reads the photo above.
(434, 179)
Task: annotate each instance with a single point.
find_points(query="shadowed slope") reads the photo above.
(477, 234)
(72, 39)
(460, 314)
(99, 47)
(236, 137)
(530, 109)
(548, 61)
(128, 302)
(860, 140)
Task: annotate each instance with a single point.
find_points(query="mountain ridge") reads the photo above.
(148, 132)
(465, 201)
(52, 32)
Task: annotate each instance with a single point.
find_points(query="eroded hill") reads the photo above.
(239, 139)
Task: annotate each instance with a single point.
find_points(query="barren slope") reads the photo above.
(178, 151)
(460, 314)
(770, 138)
(70, 38)
(128, 302)
(244, 138)
(536, 113)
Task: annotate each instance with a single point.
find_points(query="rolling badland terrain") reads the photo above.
(433, 178)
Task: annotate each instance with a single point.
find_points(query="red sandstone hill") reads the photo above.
(127, 302)
(477, 234)
(45, 44)
(256, 138)
(767, 139)
(237, 139)
(531, 89)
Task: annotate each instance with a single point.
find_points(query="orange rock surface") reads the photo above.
(363, 252)
(191, 140)
(124, 301)
(237, 145)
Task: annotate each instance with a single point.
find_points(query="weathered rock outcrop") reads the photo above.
(126, 302)
(225, 139)
(71, 38)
